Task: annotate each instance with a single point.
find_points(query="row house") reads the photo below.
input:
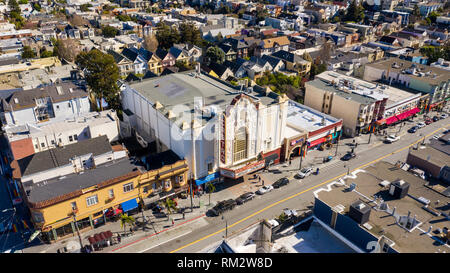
(293, 62)
(271, 45)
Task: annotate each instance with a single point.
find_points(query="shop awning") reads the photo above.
(381, 121)
(129, 205)
(208, 178)
(407, 114)
(106, 234)
(317, 141)
(391, 120)
(92, 240)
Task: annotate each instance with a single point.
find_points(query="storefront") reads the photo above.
(239, 171)
(292, 146)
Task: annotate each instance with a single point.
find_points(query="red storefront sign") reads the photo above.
(243, 170)
(222, 140)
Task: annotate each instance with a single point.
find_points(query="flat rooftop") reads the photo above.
(305, 118)
(368, 184)
(432, 75)
(180, 89)
(374, 90)
(432, 155)
(57, 187)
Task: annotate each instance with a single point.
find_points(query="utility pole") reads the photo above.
(144, 221)
(301, 156)
(192, 192)
(337, 145)
(78, 231)
(226, 227)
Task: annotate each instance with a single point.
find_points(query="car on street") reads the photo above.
(280, 182)
(435, 118)
(421, 125)
(443, 116)
(223, 206)
(413, 129)
(348, 156)
(264, 189)
(245, 197)
(428, 121)
(304, 172)
(290, 212)
(437, 136)
(445, 131)
(391, 138)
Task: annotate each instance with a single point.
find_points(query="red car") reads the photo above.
(428, 121)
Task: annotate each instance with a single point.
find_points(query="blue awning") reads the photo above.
(129, 205)
(207, 178)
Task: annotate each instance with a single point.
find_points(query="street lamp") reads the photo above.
(78, 231)
(226, 226)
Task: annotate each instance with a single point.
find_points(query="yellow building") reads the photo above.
(91, 197)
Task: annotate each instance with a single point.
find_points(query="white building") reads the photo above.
(235, 133)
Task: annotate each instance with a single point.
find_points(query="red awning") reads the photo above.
(106, 235)
(317, 141)
(92, 240)
(98, 237)
(408, 113)
(381, 121)
(391, 120)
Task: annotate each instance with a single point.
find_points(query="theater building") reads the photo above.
(221, 130)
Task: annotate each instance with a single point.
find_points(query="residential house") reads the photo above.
(230, 54)
(271, 45)
(166, 58)
(293, 62)
(192, 51)
(218, 70)
(179, 55)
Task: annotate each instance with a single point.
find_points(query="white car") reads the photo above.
(304, 172)
(421, 124)
(392, 138)
(290, 212)
(443, 116)
(436, 136)
(273, 223)
(264, 189)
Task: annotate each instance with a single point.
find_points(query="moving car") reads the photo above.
(223, 206)
(413, 129)
(391, 138)
(304, 172)
(280, 182)
(348, 156)
(264, 189)
(245, 197)
(421, 125)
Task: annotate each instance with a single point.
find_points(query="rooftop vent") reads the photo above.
(16, 100)
(59, 90)
(359, 212)
(399, 189)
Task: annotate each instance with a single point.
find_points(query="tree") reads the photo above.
(167, 36)
(15, 14)
(150, 43)
(109, 31)
(433, 16)
(355, 12)
(316, 69)
(189, 33)
(125, 220)
(85, 7)
(44, 53)
(210, 188)
(22, 2)
(66, 49)
(170, 205)
(37, 6)
(28, 53)
(97, 65)
(215, 54)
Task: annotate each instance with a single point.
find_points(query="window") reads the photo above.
(60, 140)
(36, 146)
(70, 138)
(128, 187)
(74, 205)
(42, 144)
(111, 193)
(167, 183)
(180, 179)
(69, 105)
(53, 142)
(92, 200)
(240, 145)
(210, 167)
(38, 217)
(75, 137)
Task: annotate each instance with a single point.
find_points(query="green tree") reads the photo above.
(37, 7)
(316, 69)
(45, 53)
(189, 33)
(109, 31)
(85, 7)
(355, 12)
(22, 2)
(96, 65)
(167, 36)
(210, 188)
(433, 16)
(28, 53)
(125, 220)
(123, 17)
(170, 205)
(215, 54)
(14, 15)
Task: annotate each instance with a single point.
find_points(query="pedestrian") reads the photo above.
(173, 223)
(118, 238)
(259, 177)
(263, 183)
(290, 161)
(131, 230)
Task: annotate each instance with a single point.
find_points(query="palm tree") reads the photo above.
(169, 204)
(126, 220)
(211, 188)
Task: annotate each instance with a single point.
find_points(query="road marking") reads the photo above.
(297, 194)
(165, 241)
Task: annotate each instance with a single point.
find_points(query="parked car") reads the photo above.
(418, 172)
(280, 182)
(391, 138)
(446, 131)
(413, 129)
(437, 136)
(348, 156)
(428, 121)
(245, 197)
(223, 206)
(273, 223)
(264, 189)
(290, 212)
(421, 125)
(443, 116)
(304, 172)
(435, 118)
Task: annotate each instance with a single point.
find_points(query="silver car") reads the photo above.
(304, 172)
